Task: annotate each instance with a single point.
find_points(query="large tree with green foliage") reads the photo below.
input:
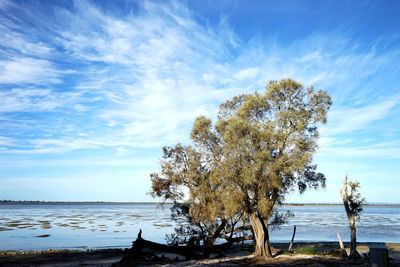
(260, 148)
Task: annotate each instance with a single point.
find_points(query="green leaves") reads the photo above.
(352, 199)
(258, 150)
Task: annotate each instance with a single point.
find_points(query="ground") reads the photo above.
(305, 254)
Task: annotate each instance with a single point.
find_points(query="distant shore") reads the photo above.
(156, 203)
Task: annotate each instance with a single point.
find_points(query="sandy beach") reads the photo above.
(305, 254)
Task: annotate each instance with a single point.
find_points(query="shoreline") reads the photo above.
(276, 244)
(304, 253)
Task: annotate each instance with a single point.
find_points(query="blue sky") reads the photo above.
(91, 90)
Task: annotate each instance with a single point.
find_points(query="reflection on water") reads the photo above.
(81, 226)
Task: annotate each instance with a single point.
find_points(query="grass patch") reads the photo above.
(285, 252)
(308, 250)
(315, 250)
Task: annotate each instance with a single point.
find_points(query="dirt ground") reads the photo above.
(61, 258)
(305, 254)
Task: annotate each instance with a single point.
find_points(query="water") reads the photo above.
(322, 223)
(94, 226)
(80, 226)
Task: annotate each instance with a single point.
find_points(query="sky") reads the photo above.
(90, 91)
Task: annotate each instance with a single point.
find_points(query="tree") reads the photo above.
(353, 203)
(259, 149)
(264, 145)
(201, 218)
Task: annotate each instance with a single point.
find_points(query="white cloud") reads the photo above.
(382, 150)
(20, 45)
(27, 70)
(7, 141)
(248, 73)
(311, 57)
(351, 119)
(35, 99)
(87, 89)
(153, 71)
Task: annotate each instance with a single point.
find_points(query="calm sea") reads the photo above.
(94, 226)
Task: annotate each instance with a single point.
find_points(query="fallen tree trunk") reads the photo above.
(136, 252)
(139, 246)
(236, 239)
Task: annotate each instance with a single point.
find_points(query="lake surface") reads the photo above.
(94, 226)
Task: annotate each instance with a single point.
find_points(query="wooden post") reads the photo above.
(340, 241)
(291, 242)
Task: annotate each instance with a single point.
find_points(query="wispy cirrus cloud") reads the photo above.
(145, 76)
(160, 69)
(89, 89)
(345, 119)
(27, 70)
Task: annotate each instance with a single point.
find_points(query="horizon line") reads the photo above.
(155, 202)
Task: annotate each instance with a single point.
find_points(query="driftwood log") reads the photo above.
(140, 247)
(136, 252)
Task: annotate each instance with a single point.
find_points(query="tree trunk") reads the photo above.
(352, 221)
(353, 243)
(261, 236)
(209, 243)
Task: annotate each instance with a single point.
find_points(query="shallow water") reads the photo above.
(322, 223)
(83, 226)
(79, 226)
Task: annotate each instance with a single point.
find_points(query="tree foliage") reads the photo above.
(202, 215)
(353, 203)
(259, 149)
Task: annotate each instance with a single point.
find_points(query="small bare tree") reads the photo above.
(353, 203)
